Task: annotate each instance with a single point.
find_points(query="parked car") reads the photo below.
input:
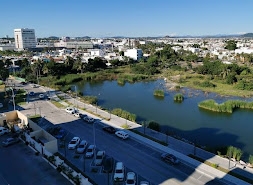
(23, 83)
(90, 151)
(109, 129)
(41, 96)
(71, 110)
(81, 147)
(99, 158)
(31, 93)
(119, 172)
(73, 143)
(169, 158)
(144, 183)
(34, 86)
(3, 131)
(10, 141)
(90, 120)
(122, 134)
(78, 115)
(60, 134)
(131, 178)
(1, 105)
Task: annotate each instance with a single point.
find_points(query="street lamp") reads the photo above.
(75, 101)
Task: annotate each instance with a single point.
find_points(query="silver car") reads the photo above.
(90, 151)
(99, 158)
(81, 147)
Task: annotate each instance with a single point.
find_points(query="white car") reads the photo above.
(81, 147)
(71, 110)
(131, 178)
(90, 151)
(119, 172)
(3, 131)
(41, 96)
(122, 134)
(73, 143)
(1, 105)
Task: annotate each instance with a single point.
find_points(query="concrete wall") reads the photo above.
(2, 118)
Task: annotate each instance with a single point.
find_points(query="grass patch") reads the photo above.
(121, 82)
(216, 166)
(179, 97)
(228, 106)
(149, 137)
(57, 104)
(159, 93)
(35, 118)
(125, 126)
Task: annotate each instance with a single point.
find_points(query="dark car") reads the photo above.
(10, 141)
(109, 129)
(60, 134)
(31, 93)
(23, 83)
(169, 158)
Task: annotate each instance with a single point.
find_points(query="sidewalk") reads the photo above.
(174, 145)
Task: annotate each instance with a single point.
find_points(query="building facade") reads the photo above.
(24, 38)
(135, 54)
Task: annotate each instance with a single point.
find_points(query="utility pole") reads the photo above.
(34, 109)
(13, 99)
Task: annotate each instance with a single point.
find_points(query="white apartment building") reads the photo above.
(97, 52)
(24, 38)
(135, 54)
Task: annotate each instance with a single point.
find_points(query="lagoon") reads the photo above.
(184, 119)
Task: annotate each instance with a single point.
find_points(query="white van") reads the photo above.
(3, 131)
(122, 134)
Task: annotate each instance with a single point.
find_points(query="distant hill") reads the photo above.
(247, 35)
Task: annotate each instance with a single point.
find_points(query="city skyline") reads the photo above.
(130, 19)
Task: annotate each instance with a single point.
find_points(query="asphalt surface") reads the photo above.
(20, 166)
(143, 160)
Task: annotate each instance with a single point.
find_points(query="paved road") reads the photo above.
(143, 160)
(20, 166)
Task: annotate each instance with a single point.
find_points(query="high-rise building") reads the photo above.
(24, 38)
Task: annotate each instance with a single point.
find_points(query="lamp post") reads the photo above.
(75, 99)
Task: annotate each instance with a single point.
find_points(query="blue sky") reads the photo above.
(99, 18)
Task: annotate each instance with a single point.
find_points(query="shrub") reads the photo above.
(154, 126)
(90, 99)
(235, 152)
(207, 84)
(121, 81)
(124, 114)
(159, 93)
(178, 97)
(251, 159)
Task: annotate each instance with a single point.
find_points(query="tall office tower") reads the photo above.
(24, 38)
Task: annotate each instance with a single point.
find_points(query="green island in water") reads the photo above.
(228, 106)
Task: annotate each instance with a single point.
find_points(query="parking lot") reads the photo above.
(87, 164)
(19, 165)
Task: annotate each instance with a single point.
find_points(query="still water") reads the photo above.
(183, 119)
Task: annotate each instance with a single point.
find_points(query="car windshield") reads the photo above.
(89, 150)
(119, 171)
(72, 142)
(130, 181)
(99, 156)
(81, 146)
